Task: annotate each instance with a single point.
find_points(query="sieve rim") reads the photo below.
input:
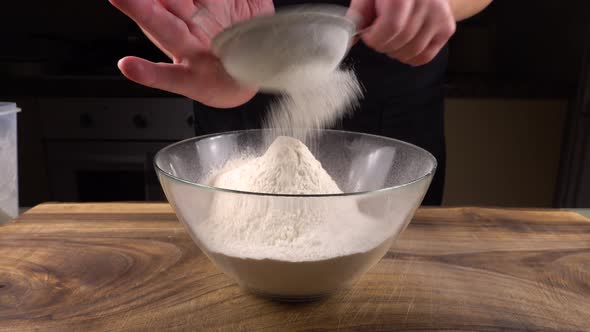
(329, 13)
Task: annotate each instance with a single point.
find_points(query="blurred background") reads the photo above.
(518, 93)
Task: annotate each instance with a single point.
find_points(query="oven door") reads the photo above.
(103, 171)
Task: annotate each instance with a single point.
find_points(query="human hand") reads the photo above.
(410, 31)
(184, 29)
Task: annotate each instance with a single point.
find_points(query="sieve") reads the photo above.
(272, 52)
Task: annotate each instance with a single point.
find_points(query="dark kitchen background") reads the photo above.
(517, 107)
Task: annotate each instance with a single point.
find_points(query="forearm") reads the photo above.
(463, 9)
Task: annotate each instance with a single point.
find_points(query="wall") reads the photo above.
(503, 152)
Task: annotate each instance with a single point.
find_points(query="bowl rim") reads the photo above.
(241, 192)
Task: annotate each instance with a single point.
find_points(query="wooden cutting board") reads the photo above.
(116, 267)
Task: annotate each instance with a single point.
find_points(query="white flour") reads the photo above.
(291, 229)
(316, 92)
(287, 167)
(316, 102)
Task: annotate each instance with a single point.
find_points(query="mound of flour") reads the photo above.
(287, 167)
(285, 228)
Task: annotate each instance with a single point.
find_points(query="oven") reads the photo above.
(103, 171)
(102, 149)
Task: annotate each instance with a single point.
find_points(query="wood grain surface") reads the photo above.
(132, 267)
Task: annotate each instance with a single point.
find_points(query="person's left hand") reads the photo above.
(184, 30)
(410, 31)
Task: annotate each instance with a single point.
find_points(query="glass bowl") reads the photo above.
(383, 182)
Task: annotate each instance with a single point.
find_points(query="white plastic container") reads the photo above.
(8, 162)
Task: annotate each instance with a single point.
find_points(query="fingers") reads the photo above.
(362, 12)
(168, 31)
(183, 9)
(203, 21)
(429, 53)
(411, 31)
(428, 43)
(411, 42)
(392, 19)
(414, 29)
(206, 82)
(164, 76)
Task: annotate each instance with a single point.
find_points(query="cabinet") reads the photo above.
(503, 152)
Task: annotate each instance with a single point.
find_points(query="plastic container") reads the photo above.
(8, 162)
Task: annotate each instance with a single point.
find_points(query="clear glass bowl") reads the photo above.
(383, 180)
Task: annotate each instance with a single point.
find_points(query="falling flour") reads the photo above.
(315, 103)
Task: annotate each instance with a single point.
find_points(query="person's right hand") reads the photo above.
(183, 29)
(410, 31)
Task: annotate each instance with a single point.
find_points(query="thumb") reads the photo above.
(205, 81)
(362, 12)
(164, 76)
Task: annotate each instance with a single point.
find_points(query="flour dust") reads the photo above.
(316, 103)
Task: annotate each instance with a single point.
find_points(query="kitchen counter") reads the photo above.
(123, 266)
